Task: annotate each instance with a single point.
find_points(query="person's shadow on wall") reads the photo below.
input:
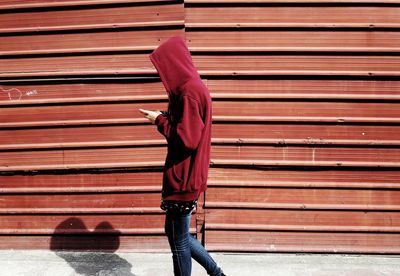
(89, 253)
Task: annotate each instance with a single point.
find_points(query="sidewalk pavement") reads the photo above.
(49, 263)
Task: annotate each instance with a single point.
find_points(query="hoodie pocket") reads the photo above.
(178, 174)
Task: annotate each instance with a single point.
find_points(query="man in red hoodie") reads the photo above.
(187, 129)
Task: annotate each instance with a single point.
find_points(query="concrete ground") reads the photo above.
(48, 263)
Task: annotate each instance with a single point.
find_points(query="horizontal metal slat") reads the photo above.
(305, 17)
(289, 134)
(253, 241)
(305, 156)
(123, 243)
(85, 42)
(81, 203)
(146, 135)
(120, 224)
(302, 198)
(230, 111)
(117, 91)
(310, 220)
(78, 65)
(26, 4)
(306, 119)
(247, 156)
(244, 89)
(83, 158)
(73, 210)
(76, 114)
(292, 1)
(293, 41)
(80, 137)
(133, 182)
(302, 65)
(305, 89)
(306, 111)
(82, 224)
(324, 228)
(292, 178)
(137, 182)
(92, 18)
(207, 65)
(107, 189)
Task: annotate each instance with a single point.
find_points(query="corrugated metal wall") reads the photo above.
(305, 153)
(78, 159)
(306, 135)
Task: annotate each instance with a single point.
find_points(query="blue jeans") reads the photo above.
(184, 246)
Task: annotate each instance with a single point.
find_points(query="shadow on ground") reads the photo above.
(90, 253)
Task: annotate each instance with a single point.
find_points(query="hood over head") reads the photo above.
(174, 64)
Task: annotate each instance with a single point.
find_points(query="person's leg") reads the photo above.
(177, 230)
(200, 254)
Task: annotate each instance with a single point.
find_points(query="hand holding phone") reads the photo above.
(151, 115)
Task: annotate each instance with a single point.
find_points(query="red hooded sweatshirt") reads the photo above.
(187, 126)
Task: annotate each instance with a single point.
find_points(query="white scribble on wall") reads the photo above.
(11, 92)
(14, 94)
(31, 92)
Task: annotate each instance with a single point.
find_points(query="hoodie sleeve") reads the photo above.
(188, 129)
